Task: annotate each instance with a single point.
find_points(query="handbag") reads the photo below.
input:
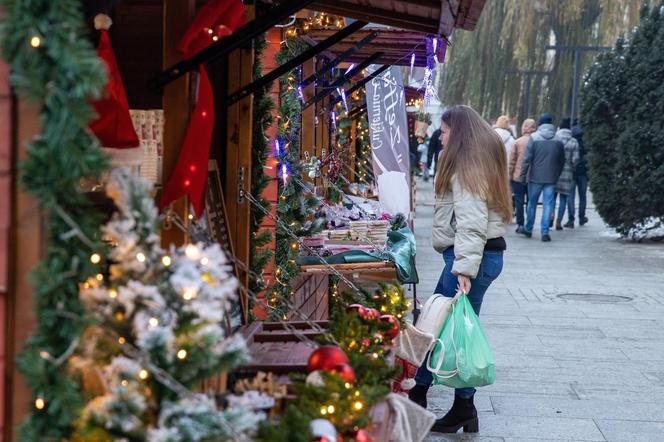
(433, 315)
(461, 356)
(412, 345)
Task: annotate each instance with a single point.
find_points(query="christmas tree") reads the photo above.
(156, 332)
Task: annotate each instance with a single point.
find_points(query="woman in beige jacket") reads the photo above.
(472, 208)
(515, 159)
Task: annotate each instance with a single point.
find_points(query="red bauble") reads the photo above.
(360, 309)
(371, 313)
(363, 436)
(391, 334)
(344, 371)
(326, 357)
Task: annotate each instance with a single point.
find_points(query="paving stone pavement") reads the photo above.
(567, 369)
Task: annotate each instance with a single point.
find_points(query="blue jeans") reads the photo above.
(490, 268)
(580, 182)
(534, 192)
(562, 204)
(519, 191)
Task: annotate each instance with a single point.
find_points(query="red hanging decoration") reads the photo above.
(113, 126)
(334, 162)
(394, 331)
(216, 20)
(344, 371)
(325, 358)
(361, 310)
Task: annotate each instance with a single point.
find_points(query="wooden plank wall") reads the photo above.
(238, 154)
(176, 102)
(6, 175)
(308, 136)
(26, 246)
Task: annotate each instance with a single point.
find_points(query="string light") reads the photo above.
(182, 354)
(99, 277)
(191, 251)
(44, 354)
(153, 322)
(204, 261)
(40, 403)
(95, 258)
(330, 409)
(140, 257)
(166, 260)
(121, 340)
(124, 383)
(189, 293)
(357, 405)
(284, 174)
(143, 374)
(35, 41)
(112, 293)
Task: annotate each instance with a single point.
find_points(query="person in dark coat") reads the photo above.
(564, 185)
(434, 150)
(580, 182)
(541, 167)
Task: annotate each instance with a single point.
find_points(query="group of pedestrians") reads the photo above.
(547, 163)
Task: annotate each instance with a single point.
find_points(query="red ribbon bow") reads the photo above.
(216, 20)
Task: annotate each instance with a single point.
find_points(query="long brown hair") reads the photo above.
(475, 154)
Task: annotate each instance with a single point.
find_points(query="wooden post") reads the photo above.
(308, 137)
(26, 243)
(238, 157)
(352, 155)
(176, 102)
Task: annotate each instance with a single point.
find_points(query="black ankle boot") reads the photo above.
(418, 394)
(462, 414)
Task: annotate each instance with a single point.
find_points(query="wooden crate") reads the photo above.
(275, 349)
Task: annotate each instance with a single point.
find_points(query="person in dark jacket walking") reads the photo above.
(541, 167)
(564, 185)
(434, 150)
(580, 182)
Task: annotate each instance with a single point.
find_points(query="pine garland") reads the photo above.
(53, 64)
(262, 120)
(295, 206)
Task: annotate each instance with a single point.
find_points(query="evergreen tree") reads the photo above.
(513, 34)
(622, 103)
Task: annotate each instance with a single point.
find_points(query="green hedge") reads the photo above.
(622, 108)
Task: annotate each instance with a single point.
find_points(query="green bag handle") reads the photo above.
(446, 374)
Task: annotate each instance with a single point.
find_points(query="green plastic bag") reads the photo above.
(461, 356)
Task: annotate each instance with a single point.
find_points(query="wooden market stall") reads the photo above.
(146, 37)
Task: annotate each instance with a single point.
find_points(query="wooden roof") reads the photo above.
(406, 25)
(425, 16)
(397, 45)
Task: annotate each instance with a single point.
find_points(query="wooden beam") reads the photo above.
(308, 137)
(238, 156)
(295, 62)
(447, 18)
(241, 37)
(26, 246)
(177, 104)
(378, 15)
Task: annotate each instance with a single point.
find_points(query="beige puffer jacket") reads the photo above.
(463, 220)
